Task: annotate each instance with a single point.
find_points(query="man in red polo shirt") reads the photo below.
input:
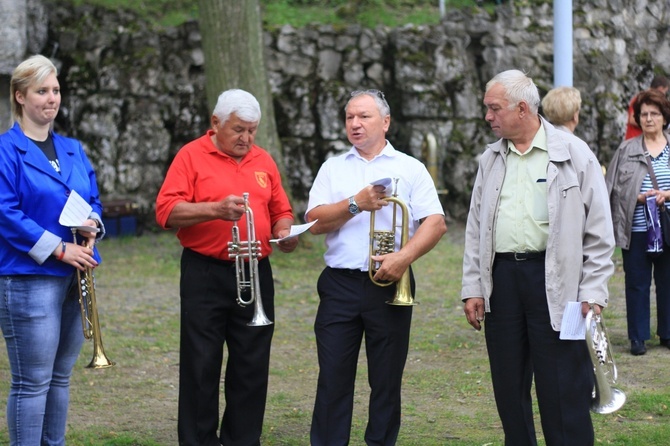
(202, 196)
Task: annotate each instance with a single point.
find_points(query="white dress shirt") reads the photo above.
(345, 175)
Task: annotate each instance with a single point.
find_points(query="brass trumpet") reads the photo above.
(383, 242)
(89, 315)
(251, 250)
(605, 398)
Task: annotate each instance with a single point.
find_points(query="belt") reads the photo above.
(350, 272)
(520, 256)
(208, 259)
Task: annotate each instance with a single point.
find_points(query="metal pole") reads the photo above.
(563, 64)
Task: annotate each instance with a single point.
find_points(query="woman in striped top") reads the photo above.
(629, 184)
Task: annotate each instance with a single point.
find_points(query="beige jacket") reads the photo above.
(580, 244)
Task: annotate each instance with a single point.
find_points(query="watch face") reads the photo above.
(353, 207)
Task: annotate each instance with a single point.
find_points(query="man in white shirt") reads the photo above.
(351, 304)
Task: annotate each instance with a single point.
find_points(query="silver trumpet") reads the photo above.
(250, 250)
(605, 398)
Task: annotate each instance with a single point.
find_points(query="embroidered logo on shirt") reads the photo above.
(262, 179)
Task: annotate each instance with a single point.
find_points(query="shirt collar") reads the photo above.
(388, 151)
(211, 148)
(539, 142)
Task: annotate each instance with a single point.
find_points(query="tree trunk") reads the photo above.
(232, 41)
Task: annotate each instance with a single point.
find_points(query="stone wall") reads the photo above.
(134, 95)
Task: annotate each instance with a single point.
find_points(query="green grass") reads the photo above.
(447, 395)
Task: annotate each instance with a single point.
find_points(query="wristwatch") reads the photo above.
(353, 207)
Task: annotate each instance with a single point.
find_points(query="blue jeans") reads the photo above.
(41, 323)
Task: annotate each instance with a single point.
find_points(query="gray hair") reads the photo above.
(378, 96)
(32, 71)
(242, 103)
(518, 87)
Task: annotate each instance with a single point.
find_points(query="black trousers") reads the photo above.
(521, 345)
(210, 317)
(350, 307)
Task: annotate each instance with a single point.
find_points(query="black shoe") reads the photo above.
(665, 343)
(637, 348)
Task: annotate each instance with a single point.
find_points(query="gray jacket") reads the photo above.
(580, 243)
(624, 179)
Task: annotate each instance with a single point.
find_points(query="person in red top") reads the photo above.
(660, 83)
(202, 196)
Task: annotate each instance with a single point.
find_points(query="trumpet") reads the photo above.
(90, 322)
(251, 250)
(605, 398)
(383, 242)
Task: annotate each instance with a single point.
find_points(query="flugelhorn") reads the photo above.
(89, 315)
(383, 242)
(250, 250)
(605, 398)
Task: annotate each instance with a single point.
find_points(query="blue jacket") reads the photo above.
(32, 197)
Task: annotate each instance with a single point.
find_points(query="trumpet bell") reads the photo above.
(100, 361)
(615, 401)
(605, 397)
(403, 293)
(259, 320)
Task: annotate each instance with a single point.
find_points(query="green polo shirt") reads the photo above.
(523, 221)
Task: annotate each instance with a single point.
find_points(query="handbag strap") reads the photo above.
(647, 157)
(652, 175)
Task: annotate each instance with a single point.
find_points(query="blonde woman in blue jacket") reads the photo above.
(39, 309)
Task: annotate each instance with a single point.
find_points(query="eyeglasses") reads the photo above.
(378, 93)
(652, 115)
(373, 92)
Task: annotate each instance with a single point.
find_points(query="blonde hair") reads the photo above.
(560, 104)
(31, 71)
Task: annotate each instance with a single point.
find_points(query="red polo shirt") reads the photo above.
(202, 173)
(632, 132)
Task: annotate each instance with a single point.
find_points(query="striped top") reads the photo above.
(662, 171)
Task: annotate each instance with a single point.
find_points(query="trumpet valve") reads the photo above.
(255, 249)
(384, 242)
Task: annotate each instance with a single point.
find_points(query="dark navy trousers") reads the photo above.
(352, 308)
(638, 267)
(523, 346)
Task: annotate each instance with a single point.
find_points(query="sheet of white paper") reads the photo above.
(75, 212)
(573, 326)
(386, 182)
(296, 230)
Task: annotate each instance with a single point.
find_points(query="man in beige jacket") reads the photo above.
(539, 235)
